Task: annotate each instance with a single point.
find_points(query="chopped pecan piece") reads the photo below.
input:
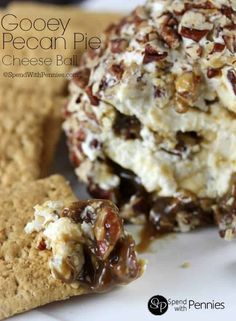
(80, 134)
(213, 72)
(169, 32)
(227, 11)
(138, 15)
(42, 245)
(218, 47)
(202, 5)
(194, 34)
(231, 75)
(93, 99)
(81, 77)
(181, 213)
(187, 86)
(225, 213)
(151, 55)
(117, 71)
(158, 92)
(230, 42)
(118, 45)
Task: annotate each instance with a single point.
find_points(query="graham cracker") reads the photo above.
(25, 278)
(30, 128)
(21, 145)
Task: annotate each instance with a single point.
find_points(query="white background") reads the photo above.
(210, 276)
(112, 5)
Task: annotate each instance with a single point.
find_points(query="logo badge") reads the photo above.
(157, 305)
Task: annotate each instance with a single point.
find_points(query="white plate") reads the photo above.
(211, 274)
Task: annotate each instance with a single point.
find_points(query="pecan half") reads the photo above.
(124, 262)
(151, 55)
(103, 218)
(107, 230)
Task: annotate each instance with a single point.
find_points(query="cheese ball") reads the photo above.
(151, 120)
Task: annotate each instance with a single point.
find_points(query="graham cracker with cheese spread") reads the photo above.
(25, 278)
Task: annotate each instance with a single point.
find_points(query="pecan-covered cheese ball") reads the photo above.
(151, 121)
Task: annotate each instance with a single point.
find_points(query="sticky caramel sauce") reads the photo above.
(148, 234)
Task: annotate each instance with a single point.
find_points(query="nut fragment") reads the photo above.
(194, 25)
(230, 42)
(123, 261)
(118, 45)
(194, 34)
(168, 31)
(187, 86)
(227, 11)
(151, 55)
(93, 99)
(213, 72)
(81, 77)
(117, 71)
(232, 78)
(218, 47)
(42, 245)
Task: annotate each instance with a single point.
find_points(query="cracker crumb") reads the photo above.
(185, 265)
